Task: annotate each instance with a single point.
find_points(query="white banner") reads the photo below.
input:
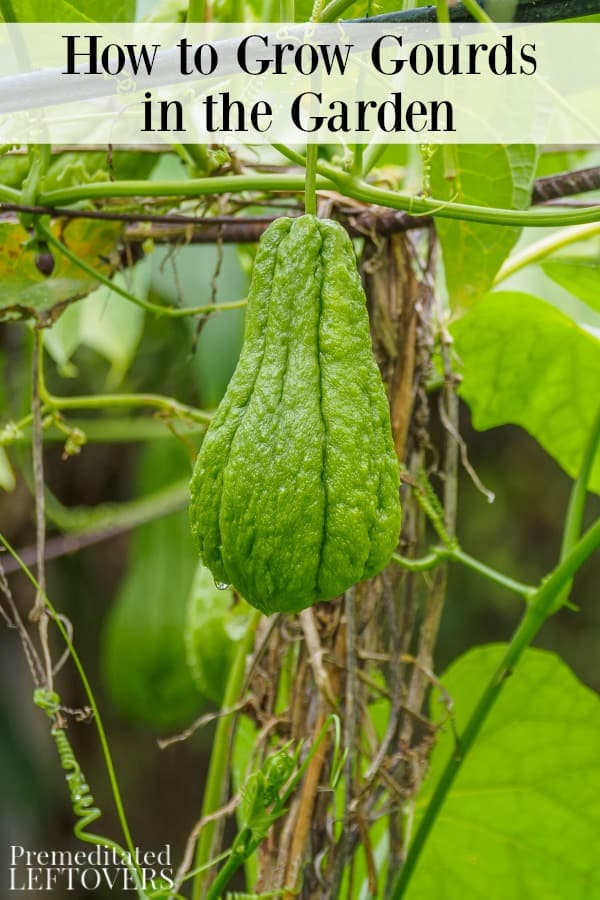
(254, 84)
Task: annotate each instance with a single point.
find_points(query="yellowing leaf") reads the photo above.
(25, 293)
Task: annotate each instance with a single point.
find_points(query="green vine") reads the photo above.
(330, 177)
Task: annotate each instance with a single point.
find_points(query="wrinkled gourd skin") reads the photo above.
(295, 492)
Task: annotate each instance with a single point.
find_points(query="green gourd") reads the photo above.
(295, 492)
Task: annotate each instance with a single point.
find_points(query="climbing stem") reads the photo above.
(527, 591)
(575, 510)
(120, 429)
(476, 11)
(166, 405)
(219, 759)
(372, 156)
(546, 247)
(334, 10)
(455, 554)
(290, 154)
(576, 507)
(442, 12)
(229, 869)
(328, 176)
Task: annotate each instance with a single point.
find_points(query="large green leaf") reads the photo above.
(359, 9)
(522, 821)
(72, 11)
(485, 175)
(579, 275)
(525, 363)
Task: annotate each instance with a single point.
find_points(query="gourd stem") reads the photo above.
(219, 759)
(310, 191)
(357, 160)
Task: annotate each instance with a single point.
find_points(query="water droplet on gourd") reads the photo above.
(221, 586)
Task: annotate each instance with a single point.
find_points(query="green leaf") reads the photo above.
(483, 175)
(13, 169)
(77, 168)
(553, 161)
(213, 627)
(525, 363)
(107, 323)
(579, 275)
(143, 652)
(523, 817)
(65, 11)
(7, 476)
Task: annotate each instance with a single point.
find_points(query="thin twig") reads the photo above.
(14, 620)
(188, 855)
(316, 653)
(200, 723)
(464, 453)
